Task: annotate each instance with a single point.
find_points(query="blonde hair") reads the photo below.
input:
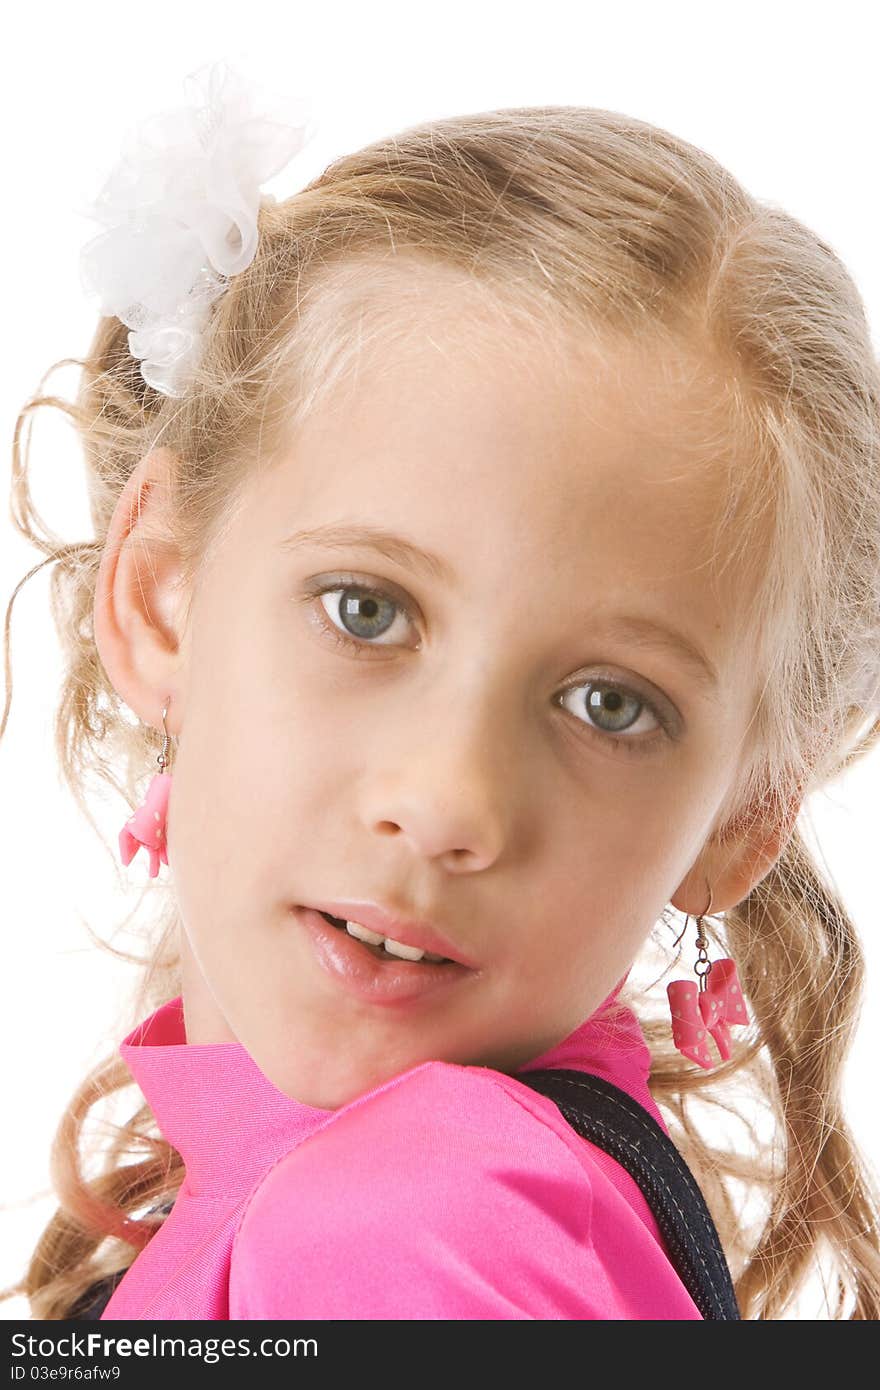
(608, 226)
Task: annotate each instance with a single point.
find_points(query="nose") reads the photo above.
(447, 787)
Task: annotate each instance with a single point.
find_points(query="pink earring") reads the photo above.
(712, 1008)
(147, 825)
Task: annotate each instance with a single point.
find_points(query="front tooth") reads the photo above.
(363, 933)
(397, 948)
(394, 948)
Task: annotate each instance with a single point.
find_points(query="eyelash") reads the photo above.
(360, 646)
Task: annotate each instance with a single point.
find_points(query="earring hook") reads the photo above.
(698, 919)
(703, 964)
(162, 758)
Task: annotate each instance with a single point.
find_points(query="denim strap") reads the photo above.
(611, 1119)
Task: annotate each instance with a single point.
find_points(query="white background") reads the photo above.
(783, 94)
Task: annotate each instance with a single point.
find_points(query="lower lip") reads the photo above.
(366, 975)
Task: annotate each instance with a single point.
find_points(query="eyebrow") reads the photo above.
(368, 537)
(651, 635)
(643, 632)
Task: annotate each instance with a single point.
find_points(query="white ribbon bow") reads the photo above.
(182, 207)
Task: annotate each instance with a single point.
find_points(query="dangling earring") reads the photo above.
(147, 825)
(721, 1003)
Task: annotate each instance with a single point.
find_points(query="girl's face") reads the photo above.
(486, 740)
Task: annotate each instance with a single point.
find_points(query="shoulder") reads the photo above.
(452, 1118)
(443, 1192)
(439, 1118)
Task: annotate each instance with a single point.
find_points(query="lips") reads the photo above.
(367, 974)
(422, 935)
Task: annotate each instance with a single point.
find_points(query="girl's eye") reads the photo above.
(366, 613)
(617, 707)
(361, 614)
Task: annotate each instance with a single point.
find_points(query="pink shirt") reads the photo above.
(446, 1192)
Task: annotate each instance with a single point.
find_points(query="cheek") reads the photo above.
(253, 802)
(602, 888)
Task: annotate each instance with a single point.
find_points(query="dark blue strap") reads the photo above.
(611, 1119)
(91, 1304)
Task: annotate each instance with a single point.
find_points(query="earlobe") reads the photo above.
(137, 595)
(736, 860)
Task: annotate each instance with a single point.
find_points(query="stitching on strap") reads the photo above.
(673, 1154)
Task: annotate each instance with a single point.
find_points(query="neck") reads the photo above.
(203, 1019)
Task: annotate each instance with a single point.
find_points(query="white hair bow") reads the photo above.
(181, 207)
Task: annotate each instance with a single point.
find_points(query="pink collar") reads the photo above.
(228, 1121)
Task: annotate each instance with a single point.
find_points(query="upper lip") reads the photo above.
(422, 935)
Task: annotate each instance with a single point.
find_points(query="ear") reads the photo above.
(139, 599)
(737, 857)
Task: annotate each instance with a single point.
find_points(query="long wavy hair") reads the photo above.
(590, 222)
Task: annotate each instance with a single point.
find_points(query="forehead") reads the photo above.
(457, 400)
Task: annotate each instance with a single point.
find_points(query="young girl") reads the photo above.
(491, 533)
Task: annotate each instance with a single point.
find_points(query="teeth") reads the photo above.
(397, 948)
(394, 948)
(363, 933)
